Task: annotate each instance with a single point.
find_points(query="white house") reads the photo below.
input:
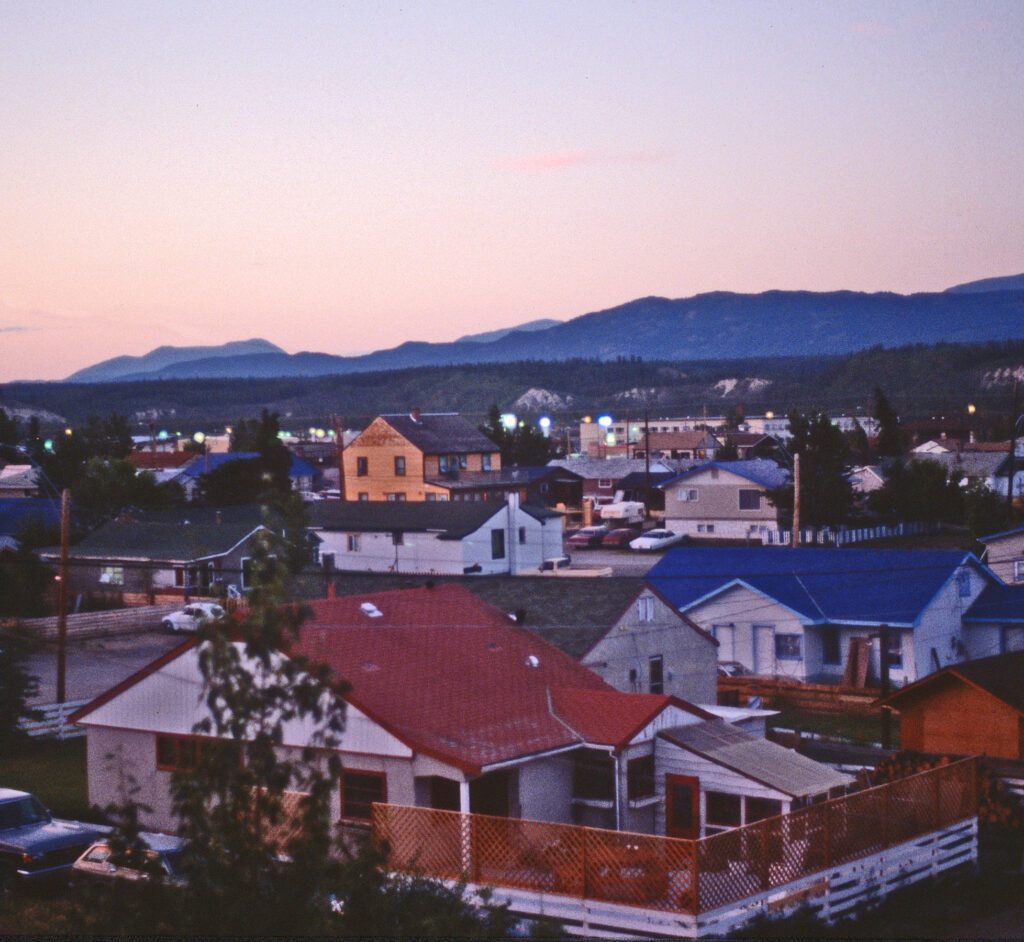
(436, 537)
(451, 706)
(799, 612)
(723, 499)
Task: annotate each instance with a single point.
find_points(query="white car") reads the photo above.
(657, 540)
(191, 616)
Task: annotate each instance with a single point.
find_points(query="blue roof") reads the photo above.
(16, 513)
(757, 470)
(1001, 603)
(211, 462)
(822, 586)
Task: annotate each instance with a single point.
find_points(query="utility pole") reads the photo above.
(647, 452)
(62, 596)
(339, 441)
(796, 500)
(1011, 469)
(883, 657)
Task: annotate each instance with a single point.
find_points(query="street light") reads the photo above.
(545, 424)
(509, 421)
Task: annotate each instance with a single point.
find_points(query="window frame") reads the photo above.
(522, 536)
(645, 609)
(963, 584)
(362, 466)
(829, 637)
(176, 742)
(659, 660)
(688, 495)
(343, 806)
(641, 778)
(788, 638)
(726, 821)
(1018, 570)
(399, 466)
(498, 549)
(352, 542)
(114, 573)
(747, 491)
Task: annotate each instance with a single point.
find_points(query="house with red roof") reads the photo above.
(451, 705)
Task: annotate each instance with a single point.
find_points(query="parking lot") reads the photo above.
(94, 665)
(623, 562)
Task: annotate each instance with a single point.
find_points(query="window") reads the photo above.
(430, 497)
(593, 776)
(895, 649)
(640, 778)
(760, 808)
(830, 648)
(787, 647)
(396, 497)
(485, 462)
(398, 538)
(497, 544)
(645, 608)
(112, 575)
(963, 583)
(604, 483)
(723, 810)
(363, 495)
(362, 467)
(1018, 570)
(656, 675)
(352, 541)
(246, 574)
(687, 495)
(749, 499)
(400, 466)
(359, 790)
(451, 463)
(522, 536)
(705, 528)
(176, 753)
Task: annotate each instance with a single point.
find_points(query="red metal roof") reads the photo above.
(454, 678)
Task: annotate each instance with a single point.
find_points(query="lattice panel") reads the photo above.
(424, 840)
(290, 823)
(957, 793)
(639, 870)
(912, 807)
(728, 867)
(534, 855)
(856, 825)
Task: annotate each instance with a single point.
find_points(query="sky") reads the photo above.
(344, 177)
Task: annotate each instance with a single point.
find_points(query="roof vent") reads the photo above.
(414, 414)
(370, 610)
(532, 660)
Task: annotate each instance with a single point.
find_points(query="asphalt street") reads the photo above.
(96, 664)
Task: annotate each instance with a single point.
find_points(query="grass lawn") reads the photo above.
(862, 729)
(54, 772)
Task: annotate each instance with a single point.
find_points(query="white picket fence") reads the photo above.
(843, 536)
(53, 721)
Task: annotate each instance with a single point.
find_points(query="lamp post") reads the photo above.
(200, 439)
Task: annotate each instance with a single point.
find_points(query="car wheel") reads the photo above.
(168, 625)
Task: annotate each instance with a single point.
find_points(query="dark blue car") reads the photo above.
(33, 843)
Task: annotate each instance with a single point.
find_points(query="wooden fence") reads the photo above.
(673, 874)
(99, 624)
(52, 721)
(818, 698)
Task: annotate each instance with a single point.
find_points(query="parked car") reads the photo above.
(555, 563)
(162, 854)
(657, 540)
(620, 536)
(33, 843)
(192, 616)
(588, 537)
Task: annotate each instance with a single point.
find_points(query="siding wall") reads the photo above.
(961, 720)
(717, 503)
(1001, 554)
(690, 659)
(940, 628)
(670, 759)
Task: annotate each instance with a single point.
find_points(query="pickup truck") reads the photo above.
(35, 844)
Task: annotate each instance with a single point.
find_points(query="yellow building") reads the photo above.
(396, 457)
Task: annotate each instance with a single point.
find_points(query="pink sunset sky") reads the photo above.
(346, 177)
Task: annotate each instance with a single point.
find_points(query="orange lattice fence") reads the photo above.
(669, 873)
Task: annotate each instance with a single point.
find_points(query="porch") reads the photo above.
(905, 830)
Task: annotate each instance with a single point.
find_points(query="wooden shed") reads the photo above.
(966, 709)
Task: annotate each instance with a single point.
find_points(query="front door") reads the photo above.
(725, 635)
(764, 649)
(682, 806)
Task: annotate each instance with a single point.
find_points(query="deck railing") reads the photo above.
(674, 874)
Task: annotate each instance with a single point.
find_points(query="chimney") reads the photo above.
(414, 414)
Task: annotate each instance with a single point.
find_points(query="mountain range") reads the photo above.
(710, 326)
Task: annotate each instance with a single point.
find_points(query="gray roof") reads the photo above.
(970, 464)
(511, 477)
(441, 433)
(759, 759)
(452, 519)
(172, 542)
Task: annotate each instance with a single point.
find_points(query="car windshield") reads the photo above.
(172, 862)
(22, 811)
